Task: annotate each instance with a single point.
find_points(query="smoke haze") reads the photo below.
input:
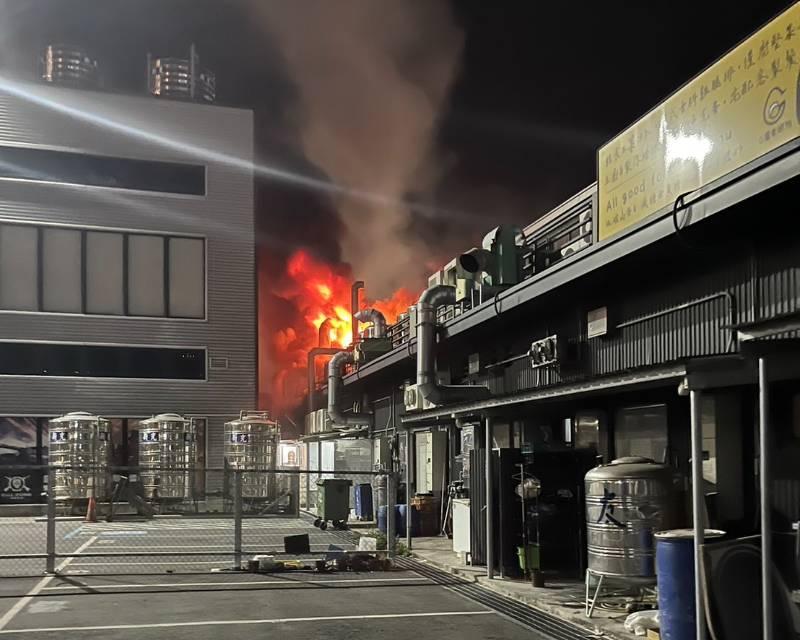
(372, 79)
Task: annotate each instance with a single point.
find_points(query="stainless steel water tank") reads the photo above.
(627, 501)
(251, 443)
(167, 456)
(79, 450)
(68, 65)
(172, 78)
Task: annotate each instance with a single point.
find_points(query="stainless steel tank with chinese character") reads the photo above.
(627, 501)
(167, 456)
(79, 449)
(251, 443)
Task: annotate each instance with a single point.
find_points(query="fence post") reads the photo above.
(51, 520)
(237, 519)
(391, 530)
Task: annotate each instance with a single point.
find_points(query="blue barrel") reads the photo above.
(675, 571)
(401, 520)
(382, 518)
(363, 501)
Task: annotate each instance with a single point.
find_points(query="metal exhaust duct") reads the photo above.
(337, 417)
(430, 300)
(358, 284)
(376, 318)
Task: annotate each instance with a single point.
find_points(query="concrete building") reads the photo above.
(126, 263)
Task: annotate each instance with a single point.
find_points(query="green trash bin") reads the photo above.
(333, 502)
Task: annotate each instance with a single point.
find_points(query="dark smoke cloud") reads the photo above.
(372, 81)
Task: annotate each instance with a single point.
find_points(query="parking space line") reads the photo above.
(210, 623)
(180, 585)
(23, 602)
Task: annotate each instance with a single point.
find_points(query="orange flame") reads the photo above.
(318, 292)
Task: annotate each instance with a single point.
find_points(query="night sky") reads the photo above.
(541, 85)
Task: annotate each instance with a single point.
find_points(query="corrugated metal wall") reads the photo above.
(141, 127)
(675, 315)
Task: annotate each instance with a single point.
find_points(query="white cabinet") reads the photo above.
(461, 526)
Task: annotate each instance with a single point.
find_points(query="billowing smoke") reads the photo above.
(372, 79)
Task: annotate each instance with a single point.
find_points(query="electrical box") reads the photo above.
(431, 450)
(381, 454)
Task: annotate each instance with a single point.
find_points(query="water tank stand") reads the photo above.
(590, 602)
(595, 581)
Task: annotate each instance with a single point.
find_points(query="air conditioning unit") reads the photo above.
(544, 352)
(574, 247)
(412, 398)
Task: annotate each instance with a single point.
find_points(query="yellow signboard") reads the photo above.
(741, 107)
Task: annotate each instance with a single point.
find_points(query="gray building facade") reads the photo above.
(127, 263)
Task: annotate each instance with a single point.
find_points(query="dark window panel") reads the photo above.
(47, 165)
(47, 359)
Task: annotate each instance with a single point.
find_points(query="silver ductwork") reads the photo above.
(376, 318)
(337, 417)
(430, 300)
(477, 261)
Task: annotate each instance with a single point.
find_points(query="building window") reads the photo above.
(67, 270)
(104, 273)
(19, 270)
(61, 270)
(48, 165)
(641, 431)
(101, 361)
(186, 277)
(146, 275)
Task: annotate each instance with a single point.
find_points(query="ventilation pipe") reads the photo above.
(358, 284)
(477, 261)
(313, 354)
(430, 300)
(337, 417)
(376, 318)
(325, 333)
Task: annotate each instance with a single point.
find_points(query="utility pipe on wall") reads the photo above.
(695, 407)
(354, 307)
(489, 502)
(765, 499)
(427, 384)
(312, 371)
(337, 417)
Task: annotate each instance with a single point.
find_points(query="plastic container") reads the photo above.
(333, 499)
(529, 560)
(675, 573)
(400, 519)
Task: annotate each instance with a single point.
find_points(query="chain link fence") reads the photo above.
(75, 520)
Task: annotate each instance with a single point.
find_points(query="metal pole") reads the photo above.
(390, 515)
(489, 502)
(409, 481)
(51, 520)
(237, 519)
(765, 498)
(354, 308)
(695, 402)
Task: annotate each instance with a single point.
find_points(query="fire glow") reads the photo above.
(317, 292)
